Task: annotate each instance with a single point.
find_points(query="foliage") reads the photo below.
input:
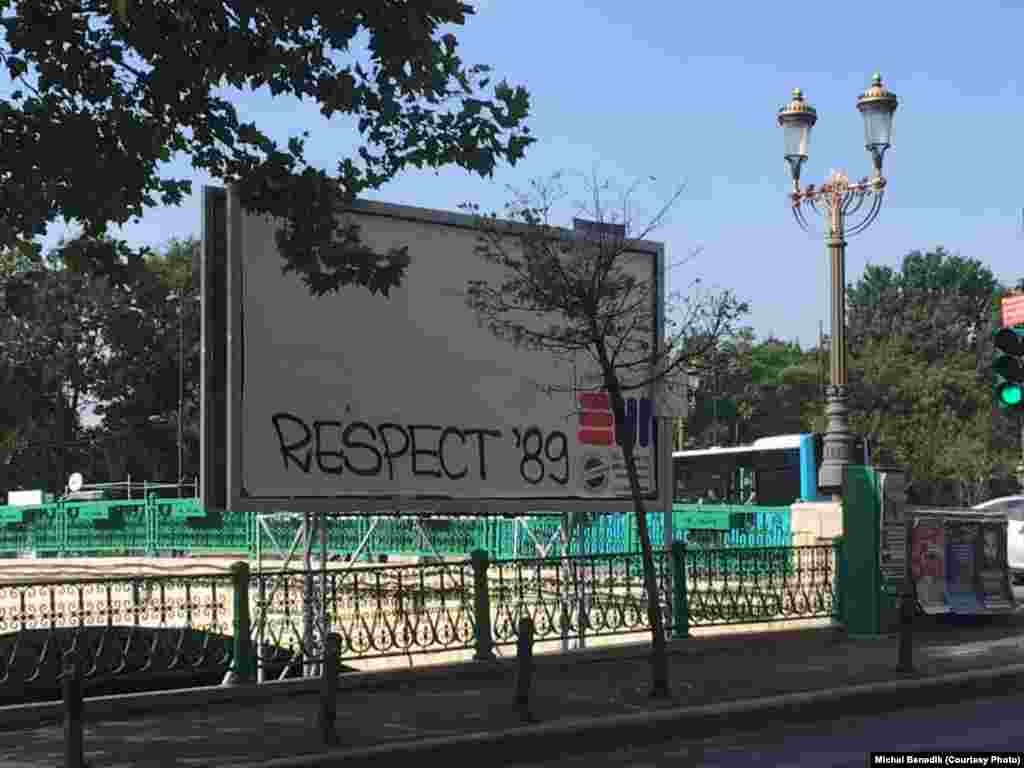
(50, 336)
(762, 388)
(103, 98)
(919, 356)
(139, 389)
(579, 294)
(920, 350)
(97, 323)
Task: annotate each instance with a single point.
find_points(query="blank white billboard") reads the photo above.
(351, 396)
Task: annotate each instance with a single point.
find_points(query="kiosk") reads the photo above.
(947, 560)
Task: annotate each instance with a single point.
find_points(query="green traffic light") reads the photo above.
(1011, 394)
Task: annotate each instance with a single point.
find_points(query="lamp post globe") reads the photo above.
(877, 105)
(797, 118)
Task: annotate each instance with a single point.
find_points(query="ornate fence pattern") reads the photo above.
(725, 586)
(585, 595)
(393, 610)
(275, 622)
(120, 627)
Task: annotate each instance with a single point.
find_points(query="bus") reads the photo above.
(771, 471)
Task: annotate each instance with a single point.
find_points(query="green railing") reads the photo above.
(267, 625)
(156, 526)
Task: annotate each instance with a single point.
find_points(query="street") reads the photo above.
(978, 724)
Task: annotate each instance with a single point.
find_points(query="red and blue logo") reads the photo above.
(597, 421)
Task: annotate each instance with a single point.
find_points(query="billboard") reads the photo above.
(350, 401)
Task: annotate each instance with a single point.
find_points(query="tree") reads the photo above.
(106, 93)
(920, 350)
(578, 296)
(94, 322)
(50, 336)
(762, 388)
(138, 387)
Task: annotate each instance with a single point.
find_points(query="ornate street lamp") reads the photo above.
(847, 209)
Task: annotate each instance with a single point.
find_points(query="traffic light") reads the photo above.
(1008, 366)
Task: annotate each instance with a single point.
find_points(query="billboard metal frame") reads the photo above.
(223, 356)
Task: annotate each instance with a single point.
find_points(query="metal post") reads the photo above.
(181, 384)
(714, 407)
(261, 672)
(563, 596)
(61, 479)
(307, 597)
(328, 714)
(524, 669)
(667, 483)
(71, 684)
(907, 606)
(680, 600)
(482, 606)
(242, 664)
(838, 442)
(325, 625)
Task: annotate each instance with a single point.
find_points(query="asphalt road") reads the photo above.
(979, 724)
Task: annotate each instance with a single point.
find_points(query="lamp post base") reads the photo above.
(837, 449)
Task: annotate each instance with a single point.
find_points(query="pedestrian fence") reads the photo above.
(248, 626)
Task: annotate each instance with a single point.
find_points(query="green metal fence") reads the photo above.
(156, 526)
(265, 624)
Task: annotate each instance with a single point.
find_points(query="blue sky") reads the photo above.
(688, 93)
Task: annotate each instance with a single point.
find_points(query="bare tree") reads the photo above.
(580, 294)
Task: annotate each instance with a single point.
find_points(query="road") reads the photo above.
(978, 724)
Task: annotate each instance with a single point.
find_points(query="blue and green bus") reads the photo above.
(771, 471)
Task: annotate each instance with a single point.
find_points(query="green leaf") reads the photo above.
(137, 113)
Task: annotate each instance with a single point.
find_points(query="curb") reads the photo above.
(548, 741)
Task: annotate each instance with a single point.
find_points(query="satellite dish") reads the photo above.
(75, 482)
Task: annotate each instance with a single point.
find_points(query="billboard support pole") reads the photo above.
(564, 596)
(307, 602)
(666, 485)
(325, 627)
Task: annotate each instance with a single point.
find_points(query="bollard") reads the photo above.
(482, 606)
(680, 599)
(907, 605)
(524, 669)
(906, 633)
(71, 684)
(329, 672)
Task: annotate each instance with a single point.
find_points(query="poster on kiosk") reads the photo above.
(959, 562)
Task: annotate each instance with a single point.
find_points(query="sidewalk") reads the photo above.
(612, 682)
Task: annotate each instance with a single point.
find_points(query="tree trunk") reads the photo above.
(659, 655)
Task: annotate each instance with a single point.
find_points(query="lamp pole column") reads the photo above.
(837, 445)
